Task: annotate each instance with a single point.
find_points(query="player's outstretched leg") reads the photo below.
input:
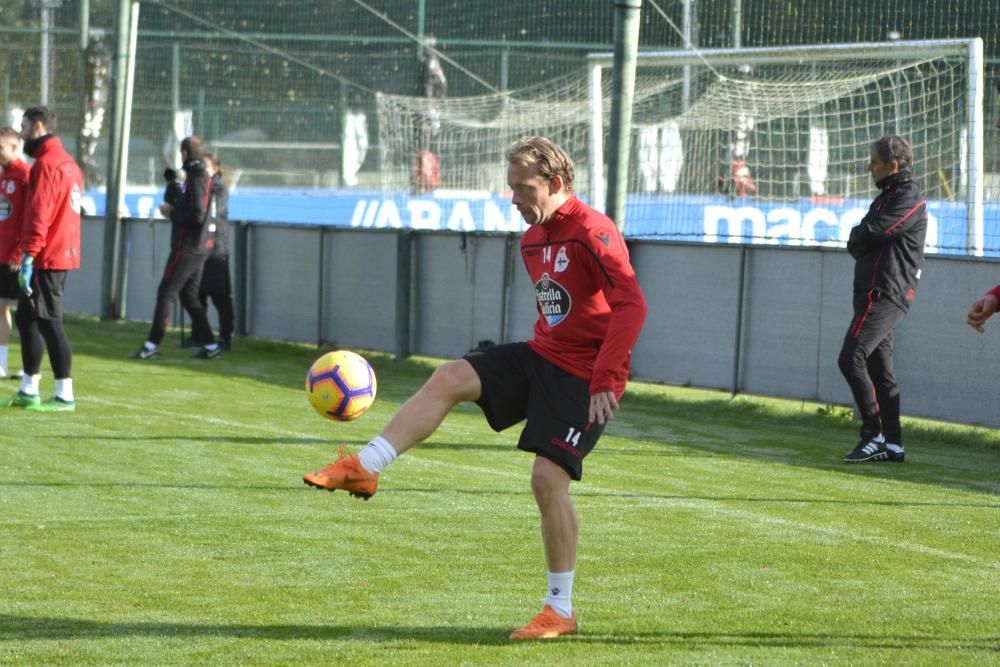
(345, 473)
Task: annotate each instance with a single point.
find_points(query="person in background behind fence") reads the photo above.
(190, 243)
(566, 381)
(888, 248)
(49, 245)
(13, 199)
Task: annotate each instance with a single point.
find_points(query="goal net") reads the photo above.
(782, 136)
(760, 145)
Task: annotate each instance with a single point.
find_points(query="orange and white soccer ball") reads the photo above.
(341, 385)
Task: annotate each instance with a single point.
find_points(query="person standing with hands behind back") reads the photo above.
(888, 249)
(50, 248)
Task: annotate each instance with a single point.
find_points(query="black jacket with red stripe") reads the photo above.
(190, 231)
(888, 243)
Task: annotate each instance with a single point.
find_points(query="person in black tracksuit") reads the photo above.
(888, 248)
(190, 242)
(216, 282)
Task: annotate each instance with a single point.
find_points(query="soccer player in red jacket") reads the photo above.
(565, 381)
(49, 247)
(13, 192)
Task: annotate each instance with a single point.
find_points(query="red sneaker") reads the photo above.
(547, 624)
(344, 473)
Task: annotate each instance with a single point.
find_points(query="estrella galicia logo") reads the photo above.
(553, 300)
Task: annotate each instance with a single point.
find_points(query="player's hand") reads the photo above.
(980, 311)
(165, 209)
(24, 274)
(602, 407)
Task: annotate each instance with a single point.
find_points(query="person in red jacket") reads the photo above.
(13, 191)
(565, 381)
(49, 247)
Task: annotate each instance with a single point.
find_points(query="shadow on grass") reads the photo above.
(296, 486)
(17, 628)
(691, 423)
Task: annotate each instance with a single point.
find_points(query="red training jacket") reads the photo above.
(51, 228)
(13, 196)
(590, 306)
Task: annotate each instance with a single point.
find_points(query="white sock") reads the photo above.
(376, 455)
(29, 384)
(149, 345)
(560, 593)
(64, 389)
(3, 359)
(212, 347)
(878, 438)
(893, 447)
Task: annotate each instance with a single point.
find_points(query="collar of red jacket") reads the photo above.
(46, 144)
(569, 208)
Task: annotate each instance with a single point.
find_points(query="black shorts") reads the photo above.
(46, 301)
(518, 384)
(8, 283)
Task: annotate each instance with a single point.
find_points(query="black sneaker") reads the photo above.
(209, 353)
(868, 450)
(145, 353)
(895, 457)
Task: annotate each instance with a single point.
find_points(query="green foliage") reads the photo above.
(165, 522)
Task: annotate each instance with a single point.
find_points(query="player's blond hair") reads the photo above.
(9, 133)
(541, 152)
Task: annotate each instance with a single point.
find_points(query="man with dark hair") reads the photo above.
(49, 247)
(13, 200)
(888, 248)
(190, 242)
(565, 382)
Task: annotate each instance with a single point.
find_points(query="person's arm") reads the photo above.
(982, 309)
(628, 313)
(35, 226)
(899, 211)
(193, 208)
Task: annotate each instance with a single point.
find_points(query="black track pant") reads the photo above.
(181, 277)
(866, 362)
(40, 325)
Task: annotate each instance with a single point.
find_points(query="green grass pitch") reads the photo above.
(165, 522)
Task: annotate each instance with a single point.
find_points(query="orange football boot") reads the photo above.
(345, 473)
(547, 624)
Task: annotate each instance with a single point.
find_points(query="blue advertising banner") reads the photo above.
(705, 219)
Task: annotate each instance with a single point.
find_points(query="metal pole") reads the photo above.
(626, 47)
(81, 80)
(686, 23)
(975, 238)
(740, 300)
(404, 282)
(43, 75)
(122, 74)
(737, 25)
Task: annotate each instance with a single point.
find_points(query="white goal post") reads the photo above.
(797, 121)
